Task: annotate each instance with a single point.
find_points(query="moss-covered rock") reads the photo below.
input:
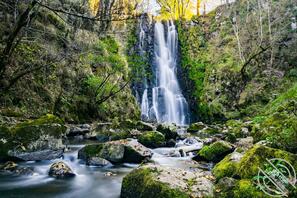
(246, 189)
(152, 139)
(256, 158)
(215, 151)
(225, 187)
(28, 140)
(165, 182)
(228, 166)
(116, 151)
(5, 142)
(195, 127)
(170, 131)
(279, 128)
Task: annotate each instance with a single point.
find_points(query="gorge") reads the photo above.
(106, 99)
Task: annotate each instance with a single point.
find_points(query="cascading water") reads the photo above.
(168, 105)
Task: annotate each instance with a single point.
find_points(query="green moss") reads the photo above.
(225, 168)
(140, 183)
(152, 139)
(256, 157)
(194, 127)
(92, 150)
(5, 142)
(215, 151)
(246, 189)
(31, 130)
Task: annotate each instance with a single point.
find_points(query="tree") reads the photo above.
(176, 9)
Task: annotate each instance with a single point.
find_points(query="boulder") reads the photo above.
(80, 129)
(13, 168)
(256, 157)
(166, 182)
(46, 154)
(225, 187)
(97, 161)
(245, 143)
(215, 151)
(228, 166)
(169, 131)
(60, 170)
(144, 126)
(152, 139)
(195, 127)
(38, 139)
(117, 151)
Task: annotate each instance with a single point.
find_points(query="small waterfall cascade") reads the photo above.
(167, 103)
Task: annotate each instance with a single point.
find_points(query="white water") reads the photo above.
(168, 103)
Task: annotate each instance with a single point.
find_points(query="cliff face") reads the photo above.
(64, 62)
(239, 58)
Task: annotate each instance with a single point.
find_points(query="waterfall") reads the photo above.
(168, 104)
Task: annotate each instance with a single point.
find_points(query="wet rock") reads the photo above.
(170, 143)
(152, 139)
(97, 161)
(117, 151)
(214, 152)
(60, 170)
(109, 174)
(13, 168)
(75, 130)
(37, 155)
(8, 166)
(170, 131)
(144, 126)
(37, 139)
(159, 181)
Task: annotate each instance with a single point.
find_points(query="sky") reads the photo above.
(152, 7)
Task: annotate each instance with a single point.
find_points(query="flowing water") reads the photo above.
(89, 181)
(168, 105)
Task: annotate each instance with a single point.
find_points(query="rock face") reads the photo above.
(117, 151)
(215, 152)
(39, 139)
(166, 182)
(152, 139)
(60, 170)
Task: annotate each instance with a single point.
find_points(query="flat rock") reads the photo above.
(160, 181)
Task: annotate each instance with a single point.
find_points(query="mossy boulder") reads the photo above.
(256, 158)
(37, 139)
(228, 166)
(279, 128)
(169, 131)
(116, 152)
(215, 151)
(246, 189)
(225, 187)
(165, 182)
(109, 135)
(152, 139)
(195, 127)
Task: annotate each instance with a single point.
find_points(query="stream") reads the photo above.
(89, 181)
